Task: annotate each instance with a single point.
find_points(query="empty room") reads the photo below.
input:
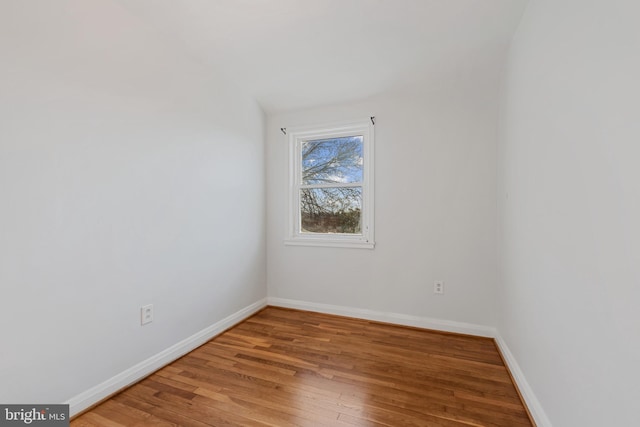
(319, 213)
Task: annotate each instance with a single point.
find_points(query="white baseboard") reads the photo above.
(124, 379)
(395, 318)
(529, 397)
(532, 402)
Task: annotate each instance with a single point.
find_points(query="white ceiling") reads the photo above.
(292, 54)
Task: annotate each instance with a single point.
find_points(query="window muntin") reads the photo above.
(331, 186)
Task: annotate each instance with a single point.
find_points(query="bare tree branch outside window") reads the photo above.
(331, 190)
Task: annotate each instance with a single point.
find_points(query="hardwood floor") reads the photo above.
(292, 368)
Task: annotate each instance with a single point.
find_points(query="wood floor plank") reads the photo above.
(286, 367)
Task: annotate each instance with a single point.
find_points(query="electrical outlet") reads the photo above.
(146, 314)
(438, 287)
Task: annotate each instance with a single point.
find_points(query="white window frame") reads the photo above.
(301, 134)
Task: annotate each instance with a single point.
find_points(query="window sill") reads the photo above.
(329, 243)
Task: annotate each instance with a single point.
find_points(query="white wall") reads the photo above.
(435, 211)
(570, 209)
(129, 175)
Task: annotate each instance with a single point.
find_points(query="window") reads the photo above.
(331, 185)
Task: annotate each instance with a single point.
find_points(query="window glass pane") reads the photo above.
(331, 210)
(335, 160)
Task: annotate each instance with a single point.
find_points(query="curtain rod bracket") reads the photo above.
(373, 120)
(283, 130)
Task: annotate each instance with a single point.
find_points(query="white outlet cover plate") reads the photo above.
(146, 314)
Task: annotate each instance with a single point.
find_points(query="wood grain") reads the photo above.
(286, 367)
